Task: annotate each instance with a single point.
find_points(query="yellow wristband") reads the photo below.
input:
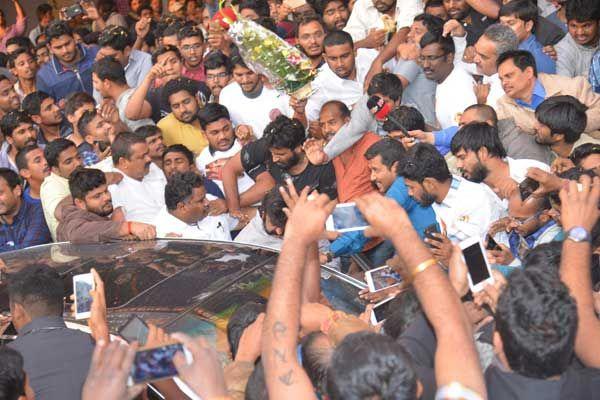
(422, 267)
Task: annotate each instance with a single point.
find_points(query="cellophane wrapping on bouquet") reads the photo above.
(286, 67)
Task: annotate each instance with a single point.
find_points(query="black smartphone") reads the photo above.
(156, 364)
(492, 244)
(73, 11)
(478, 79)
(134, 330)
(430, 230)
(102, 145)
(380, 311)
(527, 187)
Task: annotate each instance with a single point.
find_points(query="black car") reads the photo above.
(181, 285)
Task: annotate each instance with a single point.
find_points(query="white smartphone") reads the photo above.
(382, 278)
(82, 285)
(479, 271)
(346, 218)
(380, 310)
(156, 363)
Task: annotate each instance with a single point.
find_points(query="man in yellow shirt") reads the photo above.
(181, 126)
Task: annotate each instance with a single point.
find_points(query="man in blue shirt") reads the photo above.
(521, 17)
(22, 222)
(70, 66)
(384, 158)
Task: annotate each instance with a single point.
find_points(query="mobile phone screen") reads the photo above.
(381, 311)
(430, 230)
(476, 263)
(348, 218)
(527, 187)
(135, 330)
(491, 244)
(82, 285)
(384, 277)
(155, 364)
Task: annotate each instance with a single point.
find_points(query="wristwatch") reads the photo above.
(579, 234)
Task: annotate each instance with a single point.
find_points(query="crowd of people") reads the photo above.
(442, 120)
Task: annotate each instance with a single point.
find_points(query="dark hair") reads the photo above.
(11, 177)
(307, 19)
(284, 133)
(216, 59)
(109, 68)
(32, 103)
(76, 100)
(178, 85)
(433, 24)
(316, 360)
(11, 121)
(21, 158)
(337, 38)
(521, 58)
(12, 57)
(434, 3)
(579, 153)
(445, 42)
(387, 84)
(391, 152)
(485, 112)
(236, 59)
(261, 7)
(189, 31)
(404, 117)
(537, 321)
(53, 150)
(164, 49)
(545, 257)
(424, 161)
(403, 310)
(39, 289)
(241, 318)
(116, 37)
(368, 365)
(582, 10)
(147, 131)
(477, 135)
(180, 187)
(573, 174)
(341, 107)
(321, 5)
(268, 23)
(43, 9)
(56, 29)
(564, 115)
(172, 28)
(525, 10)
(121, 146)
(179, 148)
(84, 120)
(4, 77)
(212, 112)
(84, 180)
(12, 374)
(256, 388)
(272, 205)
(21, 41)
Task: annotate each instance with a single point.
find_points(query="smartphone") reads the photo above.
(72, 11)
(102, 145)
(82, 285)
(134, 330)
(156, 364)
(430, 230)
(479, 272)
(346, 218)
(492, 244)
(380, 311)
(382, 278)
(478, 79)
(527, 187)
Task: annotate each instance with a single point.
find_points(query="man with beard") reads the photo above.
(141, 191)
(18, 131)
(46, 114)
(97, 134)
(218, 73)
(335, 14)
(474, 19)
(309, 36)
(87, 216)
(9, 99)
(481, 158)
(33, 168)
(191, 47)
(21, 221)
(464, 209)
(23, 65)
(70, 66)
(181, 126)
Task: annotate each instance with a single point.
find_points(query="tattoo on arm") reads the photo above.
(280, 355)
(279, 329)
(287, 378)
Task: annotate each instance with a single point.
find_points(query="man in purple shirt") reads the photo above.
(17, 29)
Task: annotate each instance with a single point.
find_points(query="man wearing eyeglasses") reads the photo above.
(217, 68)
(191, 47)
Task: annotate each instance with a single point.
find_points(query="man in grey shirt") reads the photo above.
(56, 358)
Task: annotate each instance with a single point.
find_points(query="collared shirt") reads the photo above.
(53, 190)
(365, 16)
(141, 200)
(5, 160)
(177, 132)
(56, 358)
(196, 74)
(542, 61)
(519, 244)
(208, 228)
(27, 229)
(329, 86)
(594, 74)
(466, 211)
(448, 105)
(59, 81)
(573, 58)
(255, 233)
(537, 97)
(207, 156)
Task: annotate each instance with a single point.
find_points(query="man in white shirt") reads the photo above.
(249, 101)
(464, 209)
(343, 77)
(454, 90)
(141, 192)
(222, 145)
(369, 15)
(185, 213)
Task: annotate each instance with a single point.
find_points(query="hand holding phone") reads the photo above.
(492, 244)
(479, 271)
(82, 285)
(379, 313)
(382, 278)
(156, 363)
(346, 218)
(134, 330)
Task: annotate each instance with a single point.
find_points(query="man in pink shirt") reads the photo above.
(17, 29)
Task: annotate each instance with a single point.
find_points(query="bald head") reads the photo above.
(479, 113)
